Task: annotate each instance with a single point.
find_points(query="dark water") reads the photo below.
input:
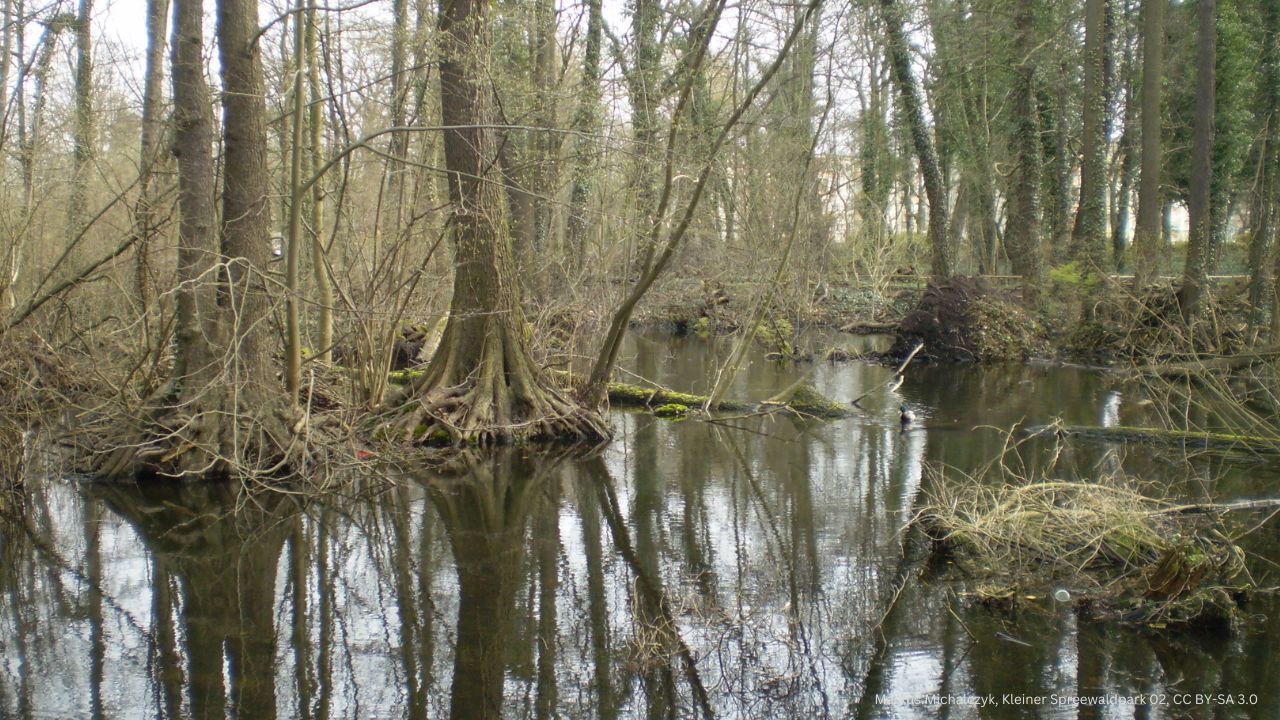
(738, 569)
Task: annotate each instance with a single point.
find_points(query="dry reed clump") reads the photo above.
(1124, 554)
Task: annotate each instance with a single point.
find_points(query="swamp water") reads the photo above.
(737, 569)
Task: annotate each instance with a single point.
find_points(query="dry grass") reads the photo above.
(1123, 552)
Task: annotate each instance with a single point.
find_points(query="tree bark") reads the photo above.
(153, 128)
(192, 146)
(293, 250)
(942, 262)
(1022, 231)
(83, 150)
(1088, 239)
(1264, 208)
(1199, 204)
(319, 257)
(246, 209)
(586, 124)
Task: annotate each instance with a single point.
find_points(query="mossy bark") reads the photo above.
(1198, 439)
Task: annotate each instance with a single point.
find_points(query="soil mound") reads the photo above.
(961, 320)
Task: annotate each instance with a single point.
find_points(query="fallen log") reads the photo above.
(1208, 365)
(1159, 436)
(803, 400)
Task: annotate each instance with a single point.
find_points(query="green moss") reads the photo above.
(671, 410)
(403, 377)
(1218, 441)
(809, 401)
(775, 335)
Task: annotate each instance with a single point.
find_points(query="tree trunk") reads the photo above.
(222, 412)
(1264, 209)
(293, 250)
(943, 263)
(1088, 239)
(319, 258)
(192, 145)
(246, 209)
(1199, 204)
(1128, 152)
(1022, 231)
(1147, 233)
(482, 386)
(1123, 198)
(153, 127)
(83, 141)
(586, 124)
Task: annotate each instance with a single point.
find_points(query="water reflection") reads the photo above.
(691, 569)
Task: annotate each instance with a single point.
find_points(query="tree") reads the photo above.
(150, 153)
(943, 262)
(1022, 228)
(662, 243)
(482, 386)
(1088, 239)
(222, 411)
(83, 150)
(1263, 215)
(1199, 206)
(586, 123)
(1146, 238)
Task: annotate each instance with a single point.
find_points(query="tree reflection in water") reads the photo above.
(688, 570)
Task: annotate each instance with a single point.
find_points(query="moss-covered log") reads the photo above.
(804, 400)
(1195, 439)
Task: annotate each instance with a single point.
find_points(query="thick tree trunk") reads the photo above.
(943, 263)
(1088, 239)
(482, 386)
(198, 251)
(1264, 209)
(1199, 206)
(1022, 231)
(222, 412)
(246, 208)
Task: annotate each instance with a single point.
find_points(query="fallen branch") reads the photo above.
(868, 328)
(895, 380)
(1199, 439)
(1224, 507)
(803, 400)
(1192, 368)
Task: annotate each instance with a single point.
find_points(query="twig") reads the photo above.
(895, 381)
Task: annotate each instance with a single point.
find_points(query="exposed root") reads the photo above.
(469, 416)
(212, 440)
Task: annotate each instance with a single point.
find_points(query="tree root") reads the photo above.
(467, 416)
(205, 441)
